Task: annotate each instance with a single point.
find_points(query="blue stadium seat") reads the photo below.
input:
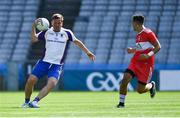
(110, 23)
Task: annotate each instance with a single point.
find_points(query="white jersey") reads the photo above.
(56, 44)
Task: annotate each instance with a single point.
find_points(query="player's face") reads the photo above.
(57, 24)
(135, 26)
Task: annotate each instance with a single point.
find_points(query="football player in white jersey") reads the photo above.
(56, 39)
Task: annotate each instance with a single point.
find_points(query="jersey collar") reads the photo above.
(142, 29)
(54, 31)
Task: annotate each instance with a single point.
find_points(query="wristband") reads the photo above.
(151, 53)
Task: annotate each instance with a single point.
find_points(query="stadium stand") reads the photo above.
(16, 17)
(103, 25)
(109, 29)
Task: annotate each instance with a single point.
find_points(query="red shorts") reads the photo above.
(143, 71)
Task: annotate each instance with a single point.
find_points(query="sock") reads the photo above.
(36, 99)
(122, 98)
(27, 100)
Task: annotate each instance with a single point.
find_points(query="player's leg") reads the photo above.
(53, 77)
(29, 87)
(46, 89)
(143, 87)
(28, 90)
(38, 71)
(144, 75)
(128, 75)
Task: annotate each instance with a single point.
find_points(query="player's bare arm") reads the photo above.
(33, 33)
(83, 47)
(157, 47)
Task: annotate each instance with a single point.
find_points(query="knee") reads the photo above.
(31, 80)
(52, 83)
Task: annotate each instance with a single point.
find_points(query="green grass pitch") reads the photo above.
(92, 104)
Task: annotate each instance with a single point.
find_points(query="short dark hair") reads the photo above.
(57, 16)
(138, 18)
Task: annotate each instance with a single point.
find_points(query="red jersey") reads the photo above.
(144, 46)
(143, 69)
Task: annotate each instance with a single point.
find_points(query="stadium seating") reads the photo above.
(108, 30)
(16, 17)
(104, 26)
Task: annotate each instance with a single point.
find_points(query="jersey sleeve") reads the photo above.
(41, 35)
(70, 35)
(152, 37)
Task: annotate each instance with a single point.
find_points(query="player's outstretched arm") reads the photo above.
(33, 33)
(83, 47)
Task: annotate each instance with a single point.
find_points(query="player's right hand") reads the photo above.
(91, 56)
(37, 21)
(131, 50)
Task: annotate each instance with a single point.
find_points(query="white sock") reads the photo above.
(122, 98)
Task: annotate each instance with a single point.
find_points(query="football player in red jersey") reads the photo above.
(142, 62)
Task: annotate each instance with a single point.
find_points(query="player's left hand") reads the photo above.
(143, 57)
(91, 56)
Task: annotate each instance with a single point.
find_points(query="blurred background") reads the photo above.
(104, 26)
